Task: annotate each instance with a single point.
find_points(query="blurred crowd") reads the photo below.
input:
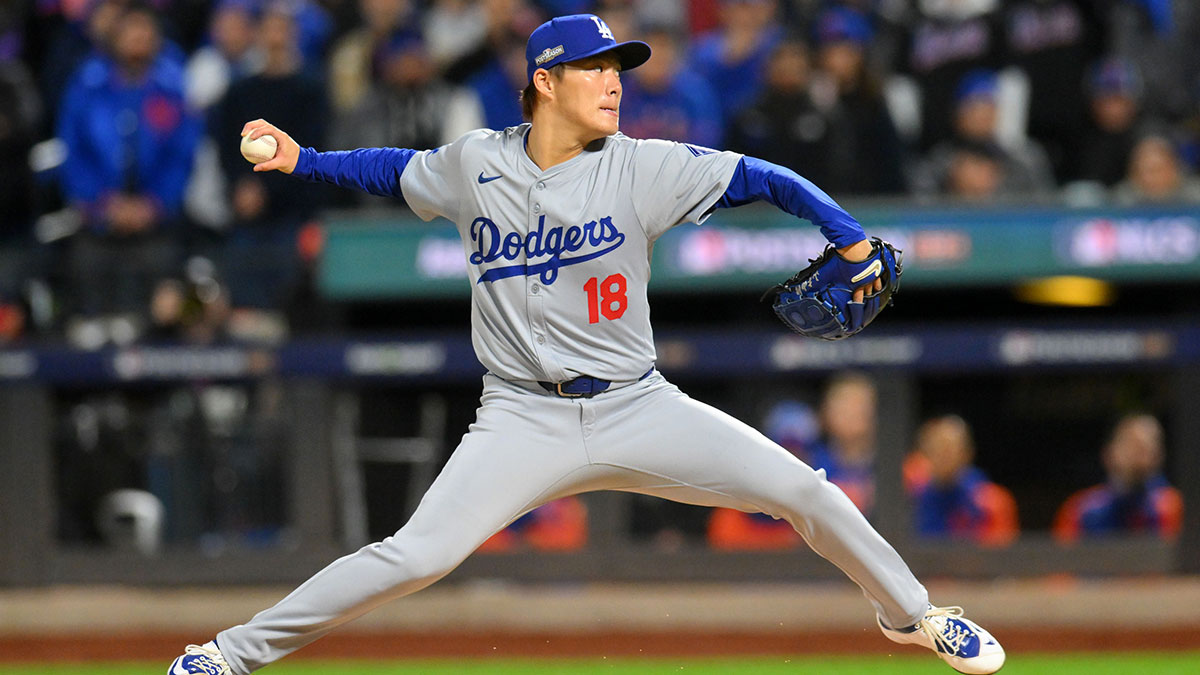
(950, 496)
(128, 212)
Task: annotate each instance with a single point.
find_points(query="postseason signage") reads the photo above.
(980, 247)
(753, 247)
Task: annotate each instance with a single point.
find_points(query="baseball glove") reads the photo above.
(816, 302)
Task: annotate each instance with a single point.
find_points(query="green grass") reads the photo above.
(1123, 663)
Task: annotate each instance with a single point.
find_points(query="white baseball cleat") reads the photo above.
(959, 641)
(202, 659)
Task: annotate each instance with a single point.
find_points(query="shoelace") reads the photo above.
(210, 661)
(949, 635)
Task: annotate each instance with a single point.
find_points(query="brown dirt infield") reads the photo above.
(112, 623)
(379, 645)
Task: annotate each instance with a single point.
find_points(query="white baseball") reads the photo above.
(260, 149)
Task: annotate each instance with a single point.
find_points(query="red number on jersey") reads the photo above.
(606, 298)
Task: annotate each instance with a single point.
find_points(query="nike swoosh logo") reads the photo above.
(874, 269)
(489, 179)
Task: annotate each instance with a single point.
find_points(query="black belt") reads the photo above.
(583, 386)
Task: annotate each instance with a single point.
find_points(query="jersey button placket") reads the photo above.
(537, 318)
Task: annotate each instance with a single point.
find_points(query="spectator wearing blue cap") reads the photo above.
(1114, 89)
(1022, 165)
(843, 24)
(865, 155)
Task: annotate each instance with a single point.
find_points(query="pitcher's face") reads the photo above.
(589, 95)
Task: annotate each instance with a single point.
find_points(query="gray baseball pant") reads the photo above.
(528, 447)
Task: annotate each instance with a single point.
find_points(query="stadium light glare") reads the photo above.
(1067, 291)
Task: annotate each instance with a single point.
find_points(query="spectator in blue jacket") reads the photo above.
(1135, 498)
(664, 100)
(733, 58)
(952, 497)
(130, 144)
(846, 448)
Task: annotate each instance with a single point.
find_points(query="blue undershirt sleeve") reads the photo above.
(373, 170)
(758, 180)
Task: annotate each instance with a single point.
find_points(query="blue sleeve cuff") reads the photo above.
(304, 165)
(373, 170)
(758, 180)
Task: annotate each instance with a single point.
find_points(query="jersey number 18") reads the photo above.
(606, 298)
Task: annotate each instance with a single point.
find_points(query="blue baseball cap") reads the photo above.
(842, 24)
(578, 36)
(977, 84)
(1114, 76)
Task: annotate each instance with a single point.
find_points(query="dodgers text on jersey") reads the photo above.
(492, 246)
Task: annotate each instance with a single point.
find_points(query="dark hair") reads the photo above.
(527, 97)
(981, 149)
(140, 7)
(530, 95)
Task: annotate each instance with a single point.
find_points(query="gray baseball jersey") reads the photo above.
(559, 260)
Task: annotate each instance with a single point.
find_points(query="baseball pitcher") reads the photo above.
(558, 218)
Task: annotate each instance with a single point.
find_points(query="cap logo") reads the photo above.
(548, 54)
(605, 31)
